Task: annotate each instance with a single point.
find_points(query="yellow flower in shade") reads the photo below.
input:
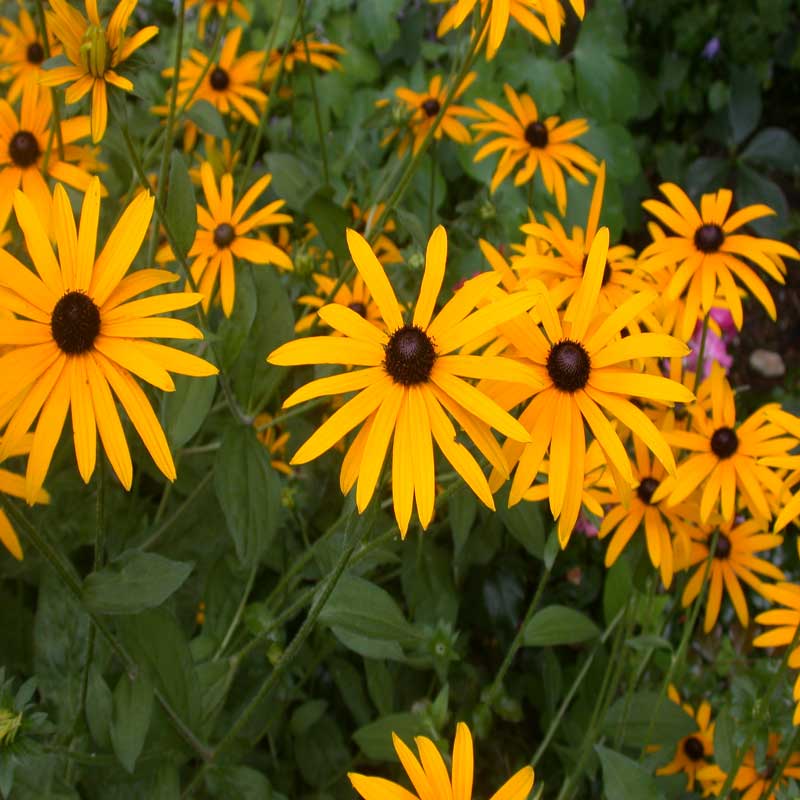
(24, 143)
(543, 145)
(784, 622)
(726, 456)
(526, 12)
(274, 441)
(430, 778)
(14, 485)
(733, 560)
(321, 55)
(95, 52)
(412, 378)
(222, 235)
(791, 425)
(621, 522)
(229, 85)
(581, 362)
(709, 253)
(80, 338)
(752, 779)
(695, 751)
(561, 261)
(354, 295)
(22, 53)
(423, 108)
(207, 7)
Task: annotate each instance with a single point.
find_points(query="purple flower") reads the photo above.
(712, 48)
(715, 350)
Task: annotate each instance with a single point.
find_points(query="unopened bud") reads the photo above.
(95, 55)
(9, 725)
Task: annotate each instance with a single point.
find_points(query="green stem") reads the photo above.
(315, 101)
(239, 611)
(701, 353)
(432, 189)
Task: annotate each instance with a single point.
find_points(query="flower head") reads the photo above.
(207, 7)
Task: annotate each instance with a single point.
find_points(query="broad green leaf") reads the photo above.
(133, 707)
(186, 408)
(166, 783)
(350, 685)
(99, 704)
(207, 118)
(379, 685)
(558, 625)
(706, 174)
(181, 204)
(248, 490)
(617, 588)
(134, 582)
(306, 715)
(645, 719)
(461, 512)
(378, 22)
(753, 187)
(744, 110)
(774, 147)
(243, 783)
(331, 221)
(320, 752)
(233, 331)
(368, 646)
(724, 744)
(608, 89)
(524, 522)
(546, 80)
(375, 739)
(624, 779)
(293, 179)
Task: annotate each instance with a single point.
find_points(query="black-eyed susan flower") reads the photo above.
(25, 162)
(581, 362)
(695, 751)
(421, 110)
(22, 53)
(430, 778)
(725, 457)
(229, 84)
(412, 380)
(222, 236)
(531, 144)
(95, 51)
(355, 295)
(791, 425)
(80, 337)
(321, 55)
(205, 8)
(14, 485)
(733, 560)
(708, 253)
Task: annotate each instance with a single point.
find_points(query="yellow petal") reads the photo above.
(435, 260)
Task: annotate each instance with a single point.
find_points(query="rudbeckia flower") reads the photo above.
(22, 53)
(229, 85)
(24, 143)
(355, 295)
(423, 108)
(82, 336)
(791, 425)
(274, 441)
(321, 55)
(726, 456)
(708, 253)
(95, 52)
(207, 7)
(695, 751)
(430, 778)
(734, 559)
(222, 234)
(411, 381)
(581, 360)
(546, 145)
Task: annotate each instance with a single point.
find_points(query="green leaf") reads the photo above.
(744, 110)
(617, 589)
(293, 179)
(375, 739)
(775, 148)
(624, 779)
(331, 221)
(249, 492)
(320, 753)
(99, 706)
(546, 79)
(558, 625)
(133, 708)
(379, 685)
(186, 408)
(724, 744)
(207, 118)
(524, 522)
(181, 205)
(234, 330)
(377, 18)
(461, 513)
(243, 783)
(645, 718)
(368, 646)
(134, 582)
(306, 715)
(753, 187)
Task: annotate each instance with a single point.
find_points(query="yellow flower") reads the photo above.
(229, 85)
(220, 6)
(22, 53)
(355, 296)
(412, 378)
(580, 361)
(222, 234)
(274, 442)
(95, 52)
(430, 778)
(733, 560)
(24, 142)
(80, 338)
(546, 145)
(708, 253)
(791, 425)
(423, 108)
(321, 55)
(693, 752)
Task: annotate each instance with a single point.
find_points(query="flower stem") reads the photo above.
(701, 353)
(323, 150)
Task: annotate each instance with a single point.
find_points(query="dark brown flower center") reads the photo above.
(219, 79)
(23, 148)
(224, 235)
(536, 135)
(431, 107)
(723, 548)
(34, 53)
(568, 366)
(646, 489)
(606, 269)
(693, 748)
(410, 356)
(724, 442)
(75, 323)
(709, 238)
(359, 308)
